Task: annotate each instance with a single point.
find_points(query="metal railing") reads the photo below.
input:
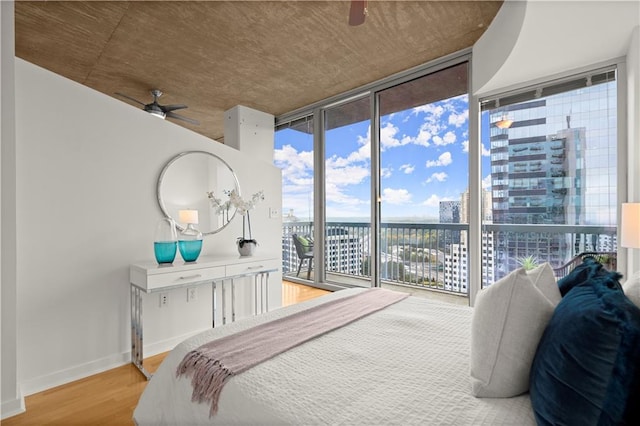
(434, 255)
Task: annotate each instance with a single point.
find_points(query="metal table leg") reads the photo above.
(136, 331)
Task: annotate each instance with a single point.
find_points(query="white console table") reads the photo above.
(149, 277)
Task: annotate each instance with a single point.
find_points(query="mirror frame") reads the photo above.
(162, 175)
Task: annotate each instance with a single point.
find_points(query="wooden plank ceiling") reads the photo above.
(274, 56)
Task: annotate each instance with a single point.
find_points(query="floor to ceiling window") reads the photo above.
(293, 153)
(552, 174)
(419, 177)
(424, 176)
(347, 192)
(547, 161)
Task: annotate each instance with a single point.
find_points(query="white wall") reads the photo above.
(550, 38)
(87, 166)
(11, 400)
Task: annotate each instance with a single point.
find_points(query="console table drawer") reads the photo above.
(184, 277)
(251, 267)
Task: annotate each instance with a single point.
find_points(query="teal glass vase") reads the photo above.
(165, 243)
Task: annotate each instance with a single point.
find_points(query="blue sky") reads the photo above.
(424, 158)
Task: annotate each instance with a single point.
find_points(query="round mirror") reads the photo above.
(198, 180)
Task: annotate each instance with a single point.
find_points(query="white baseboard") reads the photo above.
(48, 381)
(39, 384)
(12, 407)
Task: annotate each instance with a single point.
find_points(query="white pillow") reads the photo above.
(545, 280)
(631, 289)
(508, 321)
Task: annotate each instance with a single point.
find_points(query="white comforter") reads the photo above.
(407, 364)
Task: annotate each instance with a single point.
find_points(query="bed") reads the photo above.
(533, 350)
(405, 364)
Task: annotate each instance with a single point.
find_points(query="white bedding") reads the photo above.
(407, 364)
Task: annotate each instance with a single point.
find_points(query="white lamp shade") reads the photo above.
(630, 225)
(188, 216)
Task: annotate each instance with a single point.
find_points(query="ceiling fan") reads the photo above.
(357, 12)
(162, 111)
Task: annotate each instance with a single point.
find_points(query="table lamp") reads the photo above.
(629, 231)
(190, 239)
(630, 225)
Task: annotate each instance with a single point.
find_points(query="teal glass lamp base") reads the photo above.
(190, 249)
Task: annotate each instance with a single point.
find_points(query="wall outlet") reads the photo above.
(164, 299)
(274, 212)
(192, 294)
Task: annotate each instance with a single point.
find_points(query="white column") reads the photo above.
(250, 131)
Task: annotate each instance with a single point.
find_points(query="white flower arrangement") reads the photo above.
(220, 207)
(242, 206)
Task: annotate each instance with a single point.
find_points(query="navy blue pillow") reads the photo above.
(589, 268)
(587, 366)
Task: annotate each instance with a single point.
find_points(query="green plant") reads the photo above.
(528, 262)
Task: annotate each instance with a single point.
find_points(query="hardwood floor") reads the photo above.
(296, 293)
(109, 398)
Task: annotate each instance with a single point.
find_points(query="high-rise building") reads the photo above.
(456, 264)
(449, 211)
(549, 168)
(486, 206)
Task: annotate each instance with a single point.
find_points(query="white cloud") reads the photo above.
(407, 168)
(396, 196)
(459, 119)
(448, 139)
(388, 137)
(342, 173)
(345, 175)
(386, 172)
(444, 160)
(423, 138)
(465, 148)
(297, 168)
(430, 109)
(336, 195)
(486, 182)
(433, 201)
(440, 177)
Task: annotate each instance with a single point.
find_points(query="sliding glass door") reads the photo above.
(424, 175)
(403, 143)
(347, 192)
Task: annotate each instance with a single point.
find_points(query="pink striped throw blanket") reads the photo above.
(211, 365)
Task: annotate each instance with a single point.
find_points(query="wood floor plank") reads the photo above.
(109, 398)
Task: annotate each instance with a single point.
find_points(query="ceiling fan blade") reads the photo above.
(180, 117)
(130, 98)
(357, 12)
(169, 108)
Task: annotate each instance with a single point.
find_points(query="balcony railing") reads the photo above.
(434, 255)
